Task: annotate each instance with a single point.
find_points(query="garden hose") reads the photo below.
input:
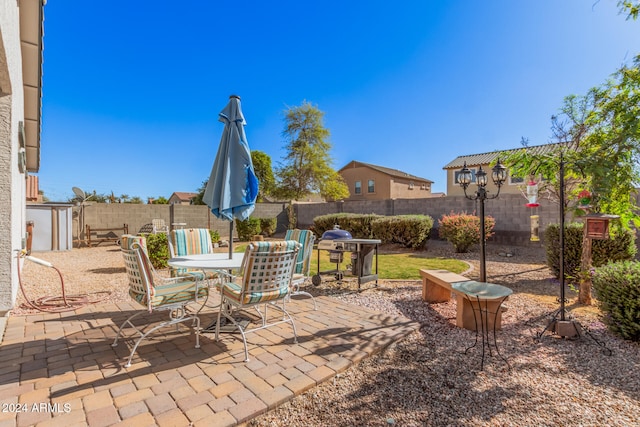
(55, 304)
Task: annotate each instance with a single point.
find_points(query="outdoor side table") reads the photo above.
(485, 300)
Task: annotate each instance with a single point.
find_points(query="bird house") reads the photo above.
(597, 225)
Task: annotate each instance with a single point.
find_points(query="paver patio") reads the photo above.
(60, 369)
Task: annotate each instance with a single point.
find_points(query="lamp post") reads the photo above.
(498, 175)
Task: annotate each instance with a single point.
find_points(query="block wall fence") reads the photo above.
(513, 224)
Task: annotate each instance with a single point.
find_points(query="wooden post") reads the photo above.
(584, 295)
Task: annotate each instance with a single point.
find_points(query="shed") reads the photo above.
(52, 226)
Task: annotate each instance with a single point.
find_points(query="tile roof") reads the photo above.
(185, 196)
(33, 188)
(392, 172)
(487, 158)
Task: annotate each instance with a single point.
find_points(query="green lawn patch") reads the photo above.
(403, 266)
(393, 266)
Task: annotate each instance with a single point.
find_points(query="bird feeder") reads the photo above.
(532, 194)
(597, 225)
(532, 197)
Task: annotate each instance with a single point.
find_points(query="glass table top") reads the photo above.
(482, 290)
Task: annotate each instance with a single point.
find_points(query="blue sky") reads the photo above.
(132, 89)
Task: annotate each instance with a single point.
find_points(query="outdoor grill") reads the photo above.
(333, 241)
(337, 242)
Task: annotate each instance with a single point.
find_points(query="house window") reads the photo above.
(515, 180)
(371, 186)
(358, 188)
(410, 185)
(473, 176)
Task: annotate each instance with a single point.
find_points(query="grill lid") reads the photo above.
(336, 233)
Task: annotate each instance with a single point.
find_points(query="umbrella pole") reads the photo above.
(231, 239)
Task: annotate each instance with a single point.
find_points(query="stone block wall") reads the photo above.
(115, 215)
(512, 217)
(513, 223)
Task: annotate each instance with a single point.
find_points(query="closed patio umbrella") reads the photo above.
(233, 186)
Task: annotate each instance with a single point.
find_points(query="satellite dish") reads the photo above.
(78, 192)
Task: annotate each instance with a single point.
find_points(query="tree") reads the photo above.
(160, 201)
(631, 8)
(136, 200)
(197, 199)
(601, 150)
(306, 167)
(335, 188)
(262, 167)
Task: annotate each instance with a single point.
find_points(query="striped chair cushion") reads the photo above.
(127, 241)
(303, 237)
(141, 278)
(138, 266)
(234, 290)
(177, 292)
(170, 294)
(191, 241)
(259, 284)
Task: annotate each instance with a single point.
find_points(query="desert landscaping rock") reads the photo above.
(427, 379)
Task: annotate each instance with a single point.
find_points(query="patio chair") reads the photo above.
(158, 294)
(267, 272)
(303, 262)
(159, 226)
(190, 241)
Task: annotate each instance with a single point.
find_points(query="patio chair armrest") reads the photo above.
(198, 283)
(225, 276)
(186, 277)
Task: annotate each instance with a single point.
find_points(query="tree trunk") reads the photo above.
(584, 296)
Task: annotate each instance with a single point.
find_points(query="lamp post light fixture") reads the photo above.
(499, 176)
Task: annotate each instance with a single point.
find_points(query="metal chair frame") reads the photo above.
(304, 266)
(176, 251)
(267, 273)
(154, 292)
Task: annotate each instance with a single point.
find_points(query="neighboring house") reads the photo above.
(33, 189)
(21, 32)
(513, 185)
(371, 182)
(181, 198)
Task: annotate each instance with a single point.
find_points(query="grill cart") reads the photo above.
(363, 252)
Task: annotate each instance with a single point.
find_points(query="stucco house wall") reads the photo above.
(382, 188)
(409, 189)
(388, 183)
(12, 181)
(513, 185)
(454, 189)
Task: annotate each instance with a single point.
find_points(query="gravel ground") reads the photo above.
(427, 379)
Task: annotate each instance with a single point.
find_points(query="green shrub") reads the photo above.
(463, 230)
(215, 236)
(248, 228)
(617, 288)
(268, 226)
(359, 225)
(619, 247)
(411, 231)
(158, 249)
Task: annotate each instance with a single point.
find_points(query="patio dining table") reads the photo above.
(208, 262)
(211, 262)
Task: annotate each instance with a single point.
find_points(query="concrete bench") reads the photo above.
(436, 285)
(436, 288)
